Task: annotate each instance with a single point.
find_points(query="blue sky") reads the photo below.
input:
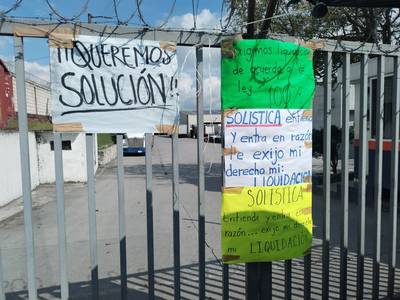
(154, 12)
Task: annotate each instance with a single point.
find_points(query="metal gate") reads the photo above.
(331, 270)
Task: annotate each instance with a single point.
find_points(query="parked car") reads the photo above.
(134, 144)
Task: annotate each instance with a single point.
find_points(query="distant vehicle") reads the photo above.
(134, 144)
(213, 138)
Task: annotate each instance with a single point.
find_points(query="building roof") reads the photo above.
(2, 63)
(28, 76)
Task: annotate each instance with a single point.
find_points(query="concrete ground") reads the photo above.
(45, 230)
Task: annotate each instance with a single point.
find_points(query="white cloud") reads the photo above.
(33, 69)
(187, 92)
(211, 77)
(37, 70)
(205, 20)
(212, 98)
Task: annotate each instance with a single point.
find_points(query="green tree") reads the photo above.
(371, 25)
(353, 24)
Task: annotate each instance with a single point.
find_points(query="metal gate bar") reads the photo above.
(326, 226)
(263, 270)
(121, 218)
(62, 238)
(394, 174)
(288, 279)
(200, 165)
(307, 276)
(94, 266)
(25, 164)
(362, 174)
(258, 279)
(266, 277)
(176, 216)
(2, 292)
(378, 175)
(225, 282)
(225, 267)
(149, 213)
(344, 241)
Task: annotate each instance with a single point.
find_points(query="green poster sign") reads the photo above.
(266, 74)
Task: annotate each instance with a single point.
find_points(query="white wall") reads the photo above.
(37, 98)
(10, 166)
(74, 160)
(318, 105)
(213, 118)
(355, 88)
(355, 70)
(106, 155)
(183, 129)
(41, 161)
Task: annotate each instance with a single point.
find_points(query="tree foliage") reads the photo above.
(352, 24)
(373, 25)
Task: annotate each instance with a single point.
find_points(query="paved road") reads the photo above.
(12, 237)
(45, 228)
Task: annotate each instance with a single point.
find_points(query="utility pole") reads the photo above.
(271, 7)
(258, 275)
(251, 10)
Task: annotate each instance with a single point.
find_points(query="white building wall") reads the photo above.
(41, 162)
(355, 69)
(37, 98)
(212, 123)
(318, 105)
(43, 101)
(183, 129)
(355, 72)
(10, 166)
(74, 160)
(213, 118)
(41, 155)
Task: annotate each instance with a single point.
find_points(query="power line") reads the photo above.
(13, 7)
(195, 4)
(119, 22)
(63, 18)
(229, 18)
(141, 17)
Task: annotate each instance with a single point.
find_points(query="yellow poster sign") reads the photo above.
(266, 223)
(267, 89)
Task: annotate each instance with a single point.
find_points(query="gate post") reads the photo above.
(25, 164)
(394, 176)
(94, 267)
(259, 281)
(200, 163)
(62, 238)
(2, 292)
(258, 275)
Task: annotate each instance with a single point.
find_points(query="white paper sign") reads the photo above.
(115, 85)
(267, 147)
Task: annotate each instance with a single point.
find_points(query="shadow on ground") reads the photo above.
(164, 281)
(188, 173)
